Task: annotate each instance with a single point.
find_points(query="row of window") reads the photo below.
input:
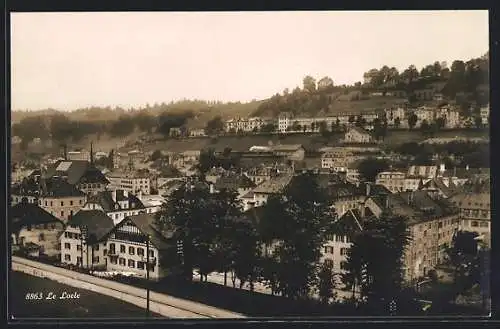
(343, 265)
(131, 250)
(41, 226)
(67, 258)
(62, 203)
(90, 185)
(330, 250)
(339, 238)
(131, 263)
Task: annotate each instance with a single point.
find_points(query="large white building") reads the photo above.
(127, 248)
(88, 228)
(130, 182)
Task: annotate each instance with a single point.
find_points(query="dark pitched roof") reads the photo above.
(58, 187)
(343, 189)
(76, 171)
(23, 214)
(146, 224)
(105, 199)
(98, 224)
(349, 222)
(28, 187)
(233, 182)
(418, 206)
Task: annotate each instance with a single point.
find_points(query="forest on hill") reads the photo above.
(464, 82)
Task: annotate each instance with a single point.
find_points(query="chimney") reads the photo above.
(91, 153)
(467, 167)
(387, 201)
(113, 195)
(65, 152)
(442, 168)
(368, 189)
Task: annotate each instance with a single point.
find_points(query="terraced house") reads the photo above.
(431, 222)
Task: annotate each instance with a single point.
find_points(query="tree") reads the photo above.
(326, 284)
(226, 213)
(369, 168)
(246, 251)
(375, 259)
(478, 122)
(352, 119)
(325, 83)
(156, 155)
(397, 122)
(424, 127)
(298, 223)
(463, 257)
(186, 214)
(207, 161)
(214, 126)
(412, 120)
(295, 126)
(309, 84)
(267, 128)
(441, 122)
(123, 126)
(323, 128)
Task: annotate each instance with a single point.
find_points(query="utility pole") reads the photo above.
(147, 276)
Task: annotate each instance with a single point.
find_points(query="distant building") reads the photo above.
(197, 132)
(393, 114)
(357, 135)
(424, 94)
(132, 182)
(294, 152)
(392, 180)
(485, 114)
(428, 172)
(238, 183)
(273, 186)
(79, 155)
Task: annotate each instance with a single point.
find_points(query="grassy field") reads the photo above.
(89, 305)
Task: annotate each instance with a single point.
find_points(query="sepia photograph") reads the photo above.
(249, 165)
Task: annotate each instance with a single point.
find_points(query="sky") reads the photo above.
(67, 61)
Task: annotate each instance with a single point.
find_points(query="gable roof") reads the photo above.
(274, 185)
(98, 224)
(58, 187)
(76, 171)
(23, 214)
(233, 182)
(349, 222)
(146, 224)
(104, 199)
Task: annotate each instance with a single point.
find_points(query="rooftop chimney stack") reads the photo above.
(368, 189)
(91, 154)
(65, 152)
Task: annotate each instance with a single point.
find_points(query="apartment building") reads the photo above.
(83, 242)
(60, 198)
(475, 213)
(132, 182)
(425, 172)
(234, 182)
(432, 224)
(128, 242)
(118, 204)
(357, 135)
(334, 251)
(394, 181)
(36, 229)
(262, 192)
